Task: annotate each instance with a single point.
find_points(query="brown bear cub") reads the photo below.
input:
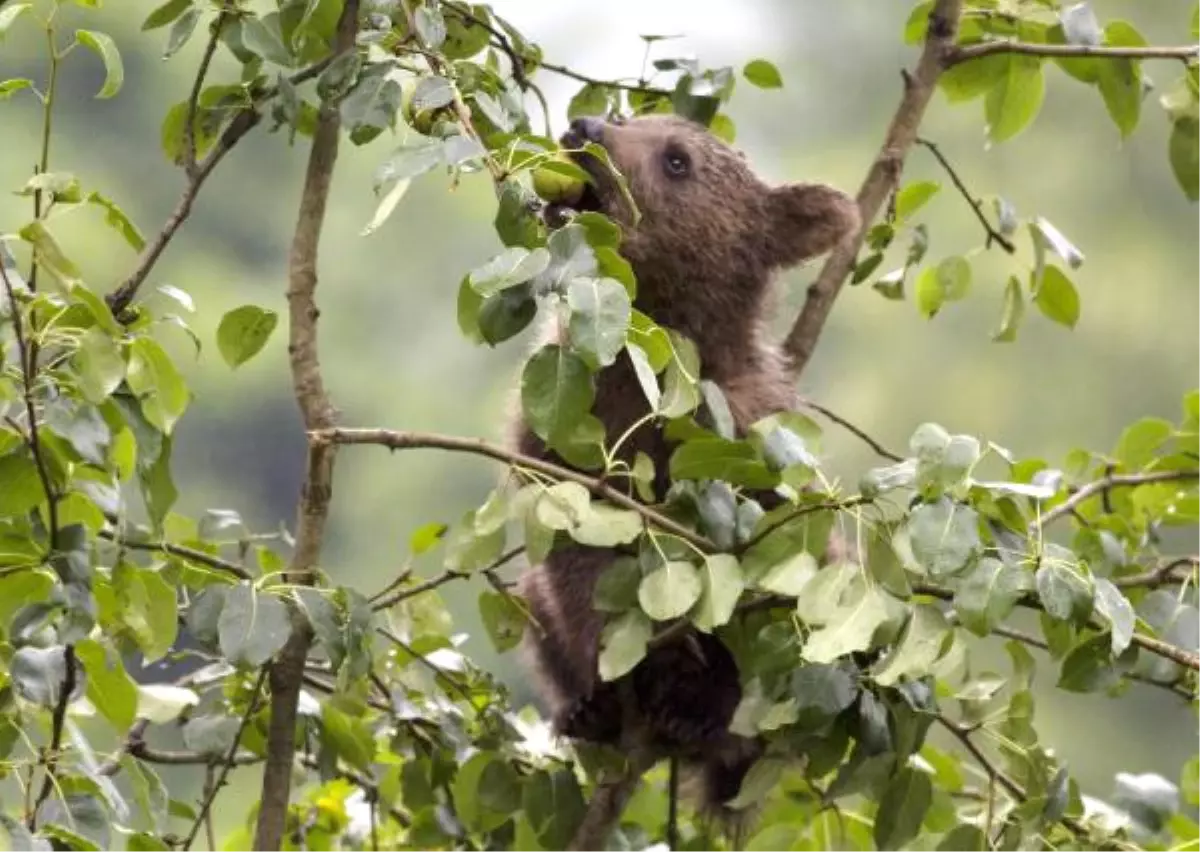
(710, 236)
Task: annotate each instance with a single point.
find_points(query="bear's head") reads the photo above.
(707, 222)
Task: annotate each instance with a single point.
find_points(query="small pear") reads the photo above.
(557, 187)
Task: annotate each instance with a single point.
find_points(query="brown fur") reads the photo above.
(704, 253)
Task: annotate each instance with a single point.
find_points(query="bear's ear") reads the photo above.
(807, 219)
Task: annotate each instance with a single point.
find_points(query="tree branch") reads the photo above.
(26, 355)
(993, 236)
(188, 553)
(963, 53)
(1102, 486)
(229, 761)
(58, 719)
(287, 670)
(881, 181)
(189, 128)
(241, 124)
(880, 449)
(1163, 575)
(422, 440)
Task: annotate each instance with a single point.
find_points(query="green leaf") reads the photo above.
(9, 14)
(964, 838)
(1184, 154)
(369, 109)
(764, 776)
(503, 620)
(929, 293)
(104, 47)
(262, 37)
(432, 92)
(109, 687)
(763, 74)
(8, 88)
(349, 738)
(165, 13)
(38, 674)
(243, 332)
(426, 537)
(600, 311)
(616, 589)
(851, 628)
(1014, 312)
(1064, 588)
(48, 252)
(1118, 611)
(645, 374)
(735, 462)
(158, 385)
(789, 576)
(181, 31)
(944, 536)
(591, 100)
(670, 591)
(1139, 442)
(115, 218)
(989, 593)
(1120, 80)
(954, 277)
(722, 585)
(973, 78)
(75, 820)
(902, 808)
(925, 638)
(623, 644)
(556, 392)
(1057, 298)
(913, 197)
(506, 314)
(1015, 98)
(431, 26)
(22, 484)
(1045, 235)
(822, 692)
(1088, 667)
(513, 266)
(554, 806)
(253, 625)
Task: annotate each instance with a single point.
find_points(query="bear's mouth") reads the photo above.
(558, 213)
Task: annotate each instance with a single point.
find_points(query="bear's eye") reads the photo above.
(676, 163)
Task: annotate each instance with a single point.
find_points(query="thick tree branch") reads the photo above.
(881, 181)
(422, 440)
(287, 671)
(963, 53)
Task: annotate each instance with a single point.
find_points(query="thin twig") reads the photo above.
(1034, 642)
(879, 449)
(188, 553)
(880, 183)
(189, 128)
(996, 774)
(993, 236)
(1163, 575)
(58, 719)
(43, 164)
(1101, 486)
(963, 53)
(230, 760)
(241, 124)
(25, 354)
(443, 578)
(564, 71)
(422, 440)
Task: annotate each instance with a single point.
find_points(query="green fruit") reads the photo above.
(555, 186)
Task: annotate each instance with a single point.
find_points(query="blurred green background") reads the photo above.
(393, 356)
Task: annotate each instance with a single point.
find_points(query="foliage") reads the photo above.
(405, 742)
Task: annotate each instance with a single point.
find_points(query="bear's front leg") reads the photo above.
(688, 690)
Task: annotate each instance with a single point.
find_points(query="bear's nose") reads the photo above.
(584, 130)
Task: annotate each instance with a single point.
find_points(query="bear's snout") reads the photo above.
(582, 131)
